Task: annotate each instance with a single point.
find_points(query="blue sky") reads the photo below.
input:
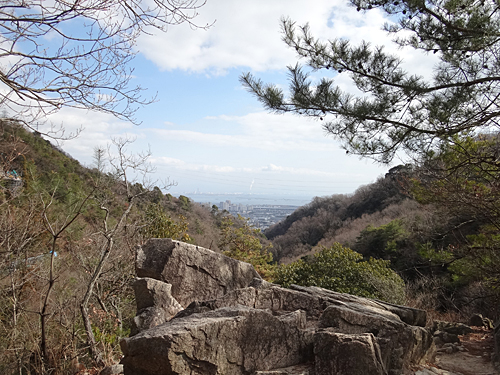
(207, 133)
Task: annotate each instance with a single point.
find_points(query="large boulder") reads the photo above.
(338, 353)
(236, 323)
(400, 344)
(236, 341)
(195, 273)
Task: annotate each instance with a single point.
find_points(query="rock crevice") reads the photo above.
(201, 313)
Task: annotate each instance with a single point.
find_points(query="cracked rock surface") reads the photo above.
(233, 322)
(195, 273)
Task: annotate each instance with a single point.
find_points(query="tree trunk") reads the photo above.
(94, 351)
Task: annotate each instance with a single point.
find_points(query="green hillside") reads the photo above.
(424, 235)
(437, 224)
(68, 236)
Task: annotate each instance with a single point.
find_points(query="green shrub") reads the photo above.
(241, 241)
(160, 225)
(382, 241)
(185, 203)
(343, 270)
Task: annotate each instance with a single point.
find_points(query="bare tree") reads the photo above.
(130, 172)
(55, 228)
(76, 53)
(20, 232)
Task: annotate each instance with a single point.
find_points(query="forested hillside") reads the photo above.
(327, 217)
(68, 235)
(440, 235)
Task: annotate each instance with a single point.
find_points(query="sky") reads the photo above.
(207, 133)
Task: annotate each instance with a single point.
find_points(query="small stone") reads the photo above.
(452, 328)
(112, 370)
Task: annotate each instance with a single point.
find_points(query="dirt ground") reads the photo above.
(476, 359)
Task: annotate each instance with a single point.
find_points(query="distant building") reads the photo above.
(225, 205)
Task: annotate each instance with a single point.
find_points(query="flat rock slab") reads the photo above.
(409, 315)
(466, 364)
(236, 341)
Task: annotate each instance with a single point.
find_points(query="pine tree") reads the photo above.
(398, 110)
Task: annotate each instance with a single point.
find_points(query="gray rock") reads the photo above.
(442, 338)
(477, 320)
(236, 341)
(155, 304)
(259, 283)
(338, 353)
(112, 370)
(453, 328)
(313, 300)
(304, 369)
(194, 272)
(237, 323)
(408, 315)
(400, 344)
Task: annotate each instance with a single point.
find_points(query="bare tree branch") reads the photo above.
(76, 53)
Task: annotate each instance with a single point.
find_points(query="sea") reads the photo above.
(248, 199)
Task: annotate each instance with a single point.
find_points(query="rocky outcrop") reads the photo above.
(236, 323)
(155, 304)
(234, 340)
(195, 273)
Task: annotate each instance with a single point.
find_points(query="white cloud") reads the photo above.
(225, 169)
(183, 165)
(248, 35)
(245, 34)
(259, 130)
(302, 171)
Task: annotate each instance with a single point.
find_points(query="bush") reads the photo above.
(244, 242)
(343, 270)
(160, 225)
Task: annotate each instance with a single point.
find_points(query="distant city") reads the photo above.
(253, 199)
(260, 216)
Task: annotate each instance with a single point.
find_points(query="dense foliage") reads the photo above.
(327, 217)
(159, 224)
(245, 243)
(343, 270)
(463, 179)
